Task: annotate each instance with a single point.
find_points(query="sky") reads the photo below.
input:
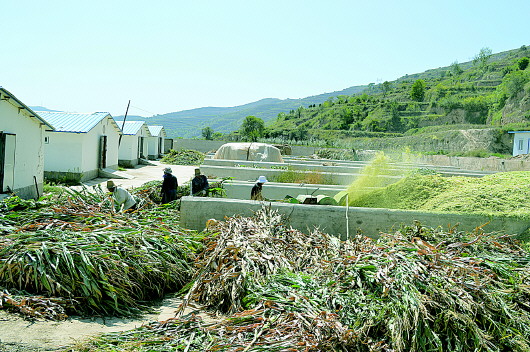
(167, 56)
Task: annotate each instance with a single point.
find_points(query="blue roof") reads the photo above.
(156, 130)
(72, 121)
(23, 106)
(519, 132)
(131, 127)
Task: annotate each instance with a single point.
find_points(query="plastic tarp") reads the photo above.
(249, 151)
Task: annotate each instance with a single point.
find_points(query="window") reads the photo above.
(47, 140)
(520, 144)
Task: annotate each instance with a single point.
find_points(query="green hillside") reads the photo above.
(490, 92)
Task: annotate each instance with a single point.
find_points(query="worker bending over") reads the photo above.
(255, 193)
(123, 199)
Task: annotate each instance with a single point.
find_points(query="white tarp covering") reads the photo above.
(249, 151)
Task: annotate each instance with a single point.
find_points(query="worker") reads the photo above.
(255, 193)
(199, 184)
(123, 199)
(169, 186)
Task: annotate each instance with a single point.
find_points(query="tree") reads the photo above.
(386, 87)
(417, 91)
(481, 59)
(252, 128)
(207, 133)
(456, 69)
(523, 63)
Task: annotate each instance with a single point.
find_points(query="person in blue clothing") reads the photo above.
(169, 186)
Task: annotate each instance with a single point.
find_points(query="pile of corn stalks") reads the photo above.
(73, 249)
(418, 289)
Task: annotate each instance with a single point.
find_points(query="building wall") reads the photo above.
(29, 154)
(91, 145)
(521, 143)
(128, 150)
(153, 150)
(63, 152)
(144, 132)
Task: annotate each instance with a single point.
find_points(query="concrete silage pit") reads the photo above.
(340, 221)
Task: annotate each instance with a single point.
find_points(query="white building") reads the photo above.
(133, 145)
(80, 146)
(21, 148)
(155, 144)
(521, 142)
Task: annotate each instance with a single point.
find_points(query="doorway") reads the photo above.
(7, 162)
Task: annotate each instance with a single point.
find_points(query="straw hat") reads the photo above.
(261, 179)
(168, 170)
(110, 184)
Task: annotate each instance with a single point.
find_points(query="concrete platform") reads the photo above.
(238, 189)
(251, 174)
(340, 221)
(340, 166)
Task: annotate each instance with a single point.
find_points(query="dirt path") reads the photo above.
(17, 334)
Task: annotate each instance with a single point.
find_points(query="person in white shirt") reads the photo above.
(121, 196)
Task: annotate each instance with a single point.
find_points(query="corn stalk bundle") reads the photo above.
(73, 247)
(108, 272)
(254, 247)
(36, 307)
(417, 289)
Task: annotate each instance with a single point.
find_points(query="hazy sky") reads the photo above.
(176, 55)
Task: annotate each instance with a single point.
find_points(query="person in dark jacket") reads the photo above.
(255, 193)
(199, 184)
(169, 186)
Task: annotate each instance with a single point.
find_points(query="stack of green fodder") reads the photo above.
(503, 194)
(414, 290)
(74, 250)
(183, 157)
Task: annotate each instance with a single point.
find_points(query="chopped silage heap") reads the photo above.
(501, 194)
(417, 289)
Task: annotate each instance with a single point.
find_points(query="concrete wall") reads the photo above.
(273, 190)
(201, 145)
(29, 150)
(471, 163)
(195, 211)
(334, 167)
(168, 145)
(251, 174)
